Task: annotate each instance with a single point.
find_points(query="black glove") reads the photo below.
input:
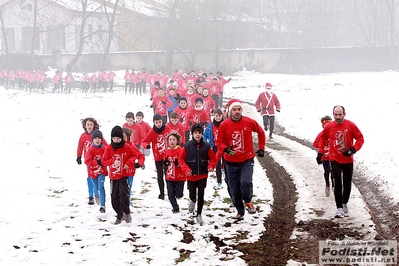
(229, 79)
(143, 167)
(148, 147)
(99, 162)
(229, 150)
(259, 110)
(260, 153)
(176, 162)
(166, 162)
(151, 99)
(318, 158)
(349, 152)
(151, 106)
(278, 111)
(79, 160)
(163, 102)
(137, 165)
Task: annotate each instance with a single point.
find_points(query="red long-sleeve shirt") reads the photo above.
(341, 137)
(238, 135)
(158, 142)
(91, 160)
(173, 172)
(126, 155)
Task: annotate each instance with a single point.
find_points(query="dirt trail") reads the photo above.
(277, 246)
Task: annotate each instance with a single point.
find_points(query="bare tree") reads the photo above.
(5, 42)
(111, 25)
(84, 15)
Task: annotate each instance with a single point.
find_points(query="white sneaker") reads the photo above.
(345, 210)
(199, 219)
(97, 200)
(327, 191)
(339, 213)
(191, 206)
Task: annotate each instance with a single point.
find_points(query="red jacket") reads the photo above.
(191, 99)
(267, 102)
(184, 115)
(238, 135)
(145, 126)
(179, 128)
(111, 76)
(158, 142)
(326, 145)
(173, 172)
(215, 88)
(199, 116)
(126, 155)
(92, 155)
(161, 108)
(340, 138)
(138, 134)
(209, 104)
(85, 143)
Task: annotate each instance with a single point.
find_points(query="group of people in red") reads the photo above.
(23, 79)
(222, 144)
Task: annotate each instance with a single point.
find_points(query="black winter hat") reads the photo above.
(117, 132)
(183, 99)
(157, 117)
(199, 99)
(197, 127)
(96, 134)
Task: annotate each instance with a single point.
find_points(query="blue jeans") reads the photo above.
(175, 191)
(99, 191)
(90, 187)
(240, 183)
(130, 183)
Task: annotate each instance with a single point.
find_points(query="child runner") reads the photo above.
(127, 134)
(198, 114)
(211, 135)
(175, 177)
(138, 133)
(89, 124)
(157, 137)
(176, 126)
(146, 127)
(324, 159)
(97, 171)
(121, 159)
(196, 159)
(161, 103)
(184, 112)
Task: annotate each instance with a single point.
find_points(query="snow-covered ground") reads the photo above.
(44, 215)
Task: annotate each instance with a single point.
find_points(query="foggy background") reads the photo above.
(287, 35)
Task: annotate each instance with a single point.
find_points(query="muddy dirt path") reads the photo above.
(275, 246)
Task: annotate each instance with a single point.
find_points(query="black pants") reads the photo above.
(160, 177)
(197, 196)
(327, 172)
(215, 98)
(218, 167)
(119, 196)
(342, 174)
(266, 119)
(175, 191)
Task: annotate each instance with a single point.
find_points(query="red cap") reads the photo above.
(268, 85)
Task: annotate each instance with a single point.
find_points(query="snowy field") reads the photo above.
(44, 215)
